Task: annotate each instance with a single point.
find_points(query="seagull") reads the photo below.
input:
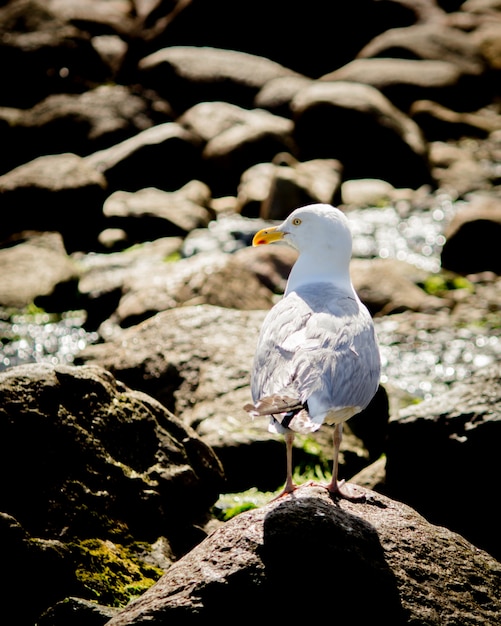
(317, 358)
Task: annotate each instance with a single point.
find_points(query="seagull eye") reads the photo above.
(296, 221)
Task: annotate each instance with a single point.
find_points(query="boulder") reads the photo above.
(187, 75)
(276, 95)
(475, 229)
(377, 550)
(274, 190)
(431, 40)
(388, 286)
(48, 52)
(442, 458)
(311, 42)
(82, 436)
(96, 474)
(78, 123)
(440, 123)
(389, 144)
(165, 156)
(460, 169)
(403, 81)
(215, 278)
(38, 266)
(151, 213)
(60, 193)
(236, 139)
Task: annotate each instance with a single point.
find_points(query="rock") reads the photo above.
(403, 81)
(477, 230)
(487, 37)
(151, 213)
(273, 190)
(38, 266)
(77, 123)
(217, 279)
(382, 551)
(104, 276)
(48, 52)
(276, 95)
(312, 42)
(78, 612)
(236, 139)
(50, 560)
(47, 193)
(271, 264)
(457, 169)
(372, 477)
(165, 156)
(366, 192)
(186, 75)
(181, 356)
(388, 286)
(432, 41)
(83, 437)
(99, 467)
(439, 123)
(325, 115)
(442, 453)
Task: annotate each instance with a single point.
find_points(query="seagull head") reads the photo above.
(316, 227)
(321, 234)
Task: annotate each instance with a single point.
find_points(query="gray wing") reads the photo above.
(317, 346)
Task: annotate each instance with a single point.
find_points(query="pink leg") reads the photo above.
(334, 486)
(289, 484)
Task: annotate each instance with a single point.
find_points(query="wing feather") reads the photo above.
(317, 347)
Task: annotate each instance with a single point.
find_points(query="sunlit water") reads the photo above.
(421, 364)
(427, 365)
(43, 338)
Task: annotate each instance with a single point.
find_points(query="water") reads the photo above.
(398, 232)
(425, 363)
(419, 358)
(43, 338)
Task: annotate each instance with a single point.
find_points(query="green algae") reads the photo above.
(111, 573)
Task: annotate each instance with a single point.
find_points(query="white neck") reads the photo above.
(306, 271)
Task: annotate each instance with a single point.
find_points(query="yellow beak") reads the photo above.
(267, 235)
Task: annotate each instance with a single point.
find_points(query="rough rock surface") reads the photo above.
(305, 548)
(441, 455)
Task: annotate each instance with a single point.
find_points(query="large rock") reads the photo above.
(151, 213)
(166, 156)
(92, 467)
(442, 458)
(186, 75)
(236, 139)
(38, 266)
(403, 81)
(75, 434)
(184, 357)
(432, 40)
(59, 193)
(475, 229)
(274, 190)
(388, 144)
(374, 556)
(42, 53)
(78, 123)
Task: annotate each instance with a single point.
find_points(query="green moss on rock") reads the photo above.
(112, 573)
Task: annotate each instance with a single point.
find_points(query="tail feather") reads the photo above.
(285, 412)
